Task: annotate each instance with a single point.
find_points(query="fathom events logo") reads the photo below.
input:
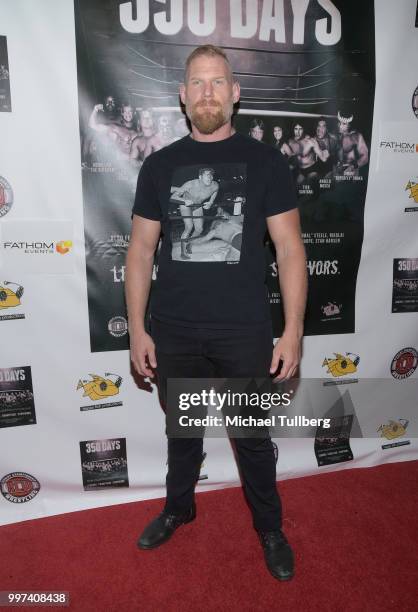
(399, 147)
(39, 247)
(64, 246)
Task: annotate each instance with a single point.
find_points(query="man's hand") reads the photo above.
(349, 170)
(143, 354)
(287, 350)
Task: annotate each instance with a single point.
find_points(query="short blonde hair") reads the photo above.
(209, 51)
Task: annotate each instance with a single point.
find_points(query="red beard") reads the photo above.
(208, 116)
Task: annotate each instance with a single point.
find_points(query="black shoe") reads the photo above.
(278, 554)
(162, 528)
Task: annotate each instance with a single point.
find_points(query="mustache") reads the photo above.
(205, 103)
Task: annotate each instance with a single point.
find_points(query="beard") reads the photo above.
(208, 116)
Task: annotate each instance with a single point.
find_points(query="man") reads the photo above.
(279, 141)
(223, 240)
(145, 141)
(122, 133)
(257, 129)
(95, 144)
(353, 152)
(305, 151)
(212, 318)
(197, 194)
(326, 142)
(164, 135)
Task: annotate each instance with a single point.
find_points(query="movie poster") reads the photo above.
(307, 73)
(17, 405)
(5, 101)
(104, 463)
(405, 285)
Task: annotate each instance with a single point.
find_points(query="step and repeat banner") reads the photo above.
(89, 89)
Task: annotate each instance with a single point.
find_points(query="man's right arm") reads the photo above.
(93, 122)
(145, 234)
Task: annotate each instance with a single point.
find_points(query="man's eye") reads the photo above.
(219, 81)
(195, 82)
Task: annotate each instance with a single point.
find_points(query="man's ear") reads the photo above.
(235, 91)
(182, 92)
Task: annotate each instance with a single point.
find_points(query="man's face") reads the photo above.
(277, 132)
(127, 114)
(257, 132)
(164, 124)
(209, 94)
(145, 119)
(343, 127)
(298, 131)
(206, 177)
(321, 129)
(110, 104)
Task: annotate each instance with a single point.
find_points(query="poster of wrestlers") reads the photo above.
(104, 463)
(17, 406)
(332, 445)
(307, 73)
(5, 101)
(405, 285)
(206, 212)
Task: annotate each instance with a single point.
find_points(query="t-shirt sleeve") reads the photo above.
(280, 193)
(146, 202)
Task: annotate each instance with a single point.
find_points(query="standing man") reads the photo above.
(212, 318)
(306, 151)
(326, 142)
(353, 153)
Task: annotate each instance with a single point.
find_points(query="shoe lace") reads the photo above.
(273, 537)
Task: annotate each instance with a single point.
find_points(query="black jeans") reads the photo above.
(185, 352)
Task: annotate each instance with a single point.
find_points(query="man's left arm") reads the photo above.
(284, 229)
(363, 152)
(209, 203)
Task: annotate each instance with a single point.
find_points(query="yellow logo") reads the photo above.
(9, 298)
(393, 429)
(99, 387)
(64, 246)
(412, 186)
(341, 365)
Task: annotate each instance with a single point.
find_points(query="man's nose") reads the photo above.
(208, 90)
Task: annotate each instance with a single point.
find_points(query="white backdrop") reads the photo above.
(40, 158)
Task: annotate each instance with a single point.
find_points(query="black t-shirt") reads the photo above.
(212, 200)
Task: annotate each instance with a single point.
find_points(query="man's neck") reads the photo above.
(225, 131)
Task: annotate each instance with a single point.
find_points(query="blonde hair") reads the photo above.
(208, 51)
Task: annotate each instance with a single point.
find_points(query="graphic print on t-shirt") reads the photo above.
(206, 212)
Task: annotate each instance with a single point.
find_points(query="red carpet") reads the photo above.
(354, 534)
